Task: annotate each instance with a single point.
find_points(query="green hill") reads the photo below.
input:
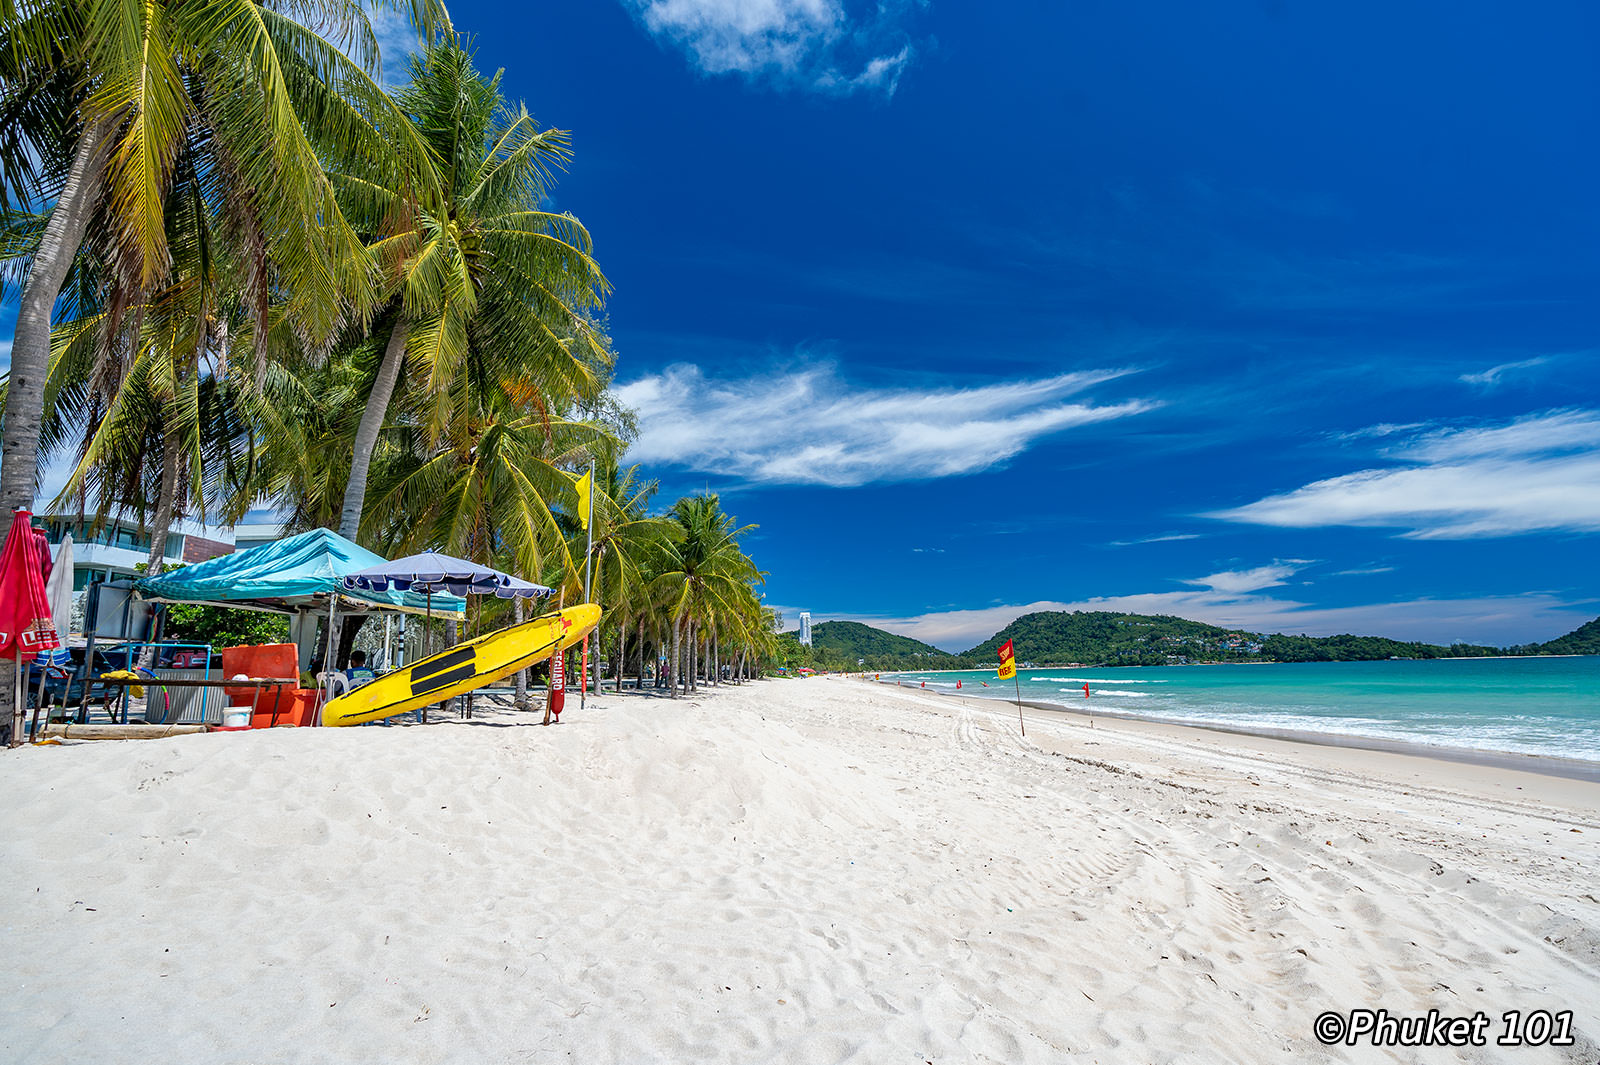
(1103, 638)
(1583, 640)
(850, 645)
(855, 640)
(1106, 638)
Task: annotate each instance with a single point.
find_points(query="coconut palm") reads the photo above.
(625, 540)
(249, 87)
(706, 571)
(481, 285)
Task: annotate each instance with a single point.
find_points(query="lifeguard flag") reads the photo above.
(584, 484)
(1008, 661)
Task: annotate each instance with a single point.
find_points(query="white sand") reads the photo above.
(801, 871)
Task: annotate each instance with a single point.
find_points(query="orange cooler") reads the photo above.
(264, 660)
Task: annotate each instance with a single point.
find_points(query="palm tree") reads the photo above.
(706, 571)
(482, 283)
(241, 83)
(625, 541)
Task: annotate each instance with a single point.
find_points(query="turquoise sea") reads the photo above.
(1541, 706)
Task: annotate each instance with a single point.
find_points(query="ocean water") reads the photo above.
(1542, 706)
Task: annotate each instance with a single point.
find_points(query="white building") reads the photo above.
(119, 549)
(805, 628)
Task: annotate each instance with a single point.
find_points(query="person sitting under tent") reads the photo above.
(358, 673)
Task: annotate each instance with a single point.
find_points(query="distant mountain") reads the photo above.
(853, 640)
(1583, 640)
(1106, 638)
(1103, 638)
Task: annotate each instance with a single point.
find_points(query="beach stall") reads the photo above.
(304, 578)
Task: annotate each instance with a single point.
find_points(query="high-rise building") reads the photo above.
(805, 628)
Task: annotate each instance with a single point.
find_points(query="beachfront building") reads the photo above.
(119, 549)
(805, 628)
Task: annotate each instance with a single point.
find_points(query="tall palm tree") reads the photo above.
(482, 280)
(705, 572)
(624, 542)
(257, 92)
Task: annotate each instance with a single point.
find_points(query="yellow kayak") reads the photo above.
(464, 668)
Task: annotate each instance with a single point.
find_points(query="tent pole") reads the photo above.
(327, 657)
(426, 629)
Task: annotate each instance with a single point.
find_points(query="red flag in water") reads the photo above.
(25, 625)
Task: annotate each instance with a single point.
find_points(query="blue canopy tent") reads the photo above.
(288, 576)
(302, 576)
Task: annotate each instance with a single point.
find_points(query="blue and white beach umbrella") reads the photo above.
(430, 572)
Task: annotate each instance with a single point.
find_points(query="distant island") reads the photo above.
(1107, 638)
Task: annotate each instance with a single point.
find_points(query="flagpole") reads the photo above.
(588, 562)
(1018, 682)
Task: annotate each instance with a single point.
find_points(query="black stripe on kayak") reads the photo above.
(440, 680)
(448, 660)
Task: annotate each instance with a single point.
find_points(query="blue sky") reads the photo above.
(1273, 315)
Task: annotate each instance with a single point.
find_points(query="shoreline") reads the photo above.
(1544, 765)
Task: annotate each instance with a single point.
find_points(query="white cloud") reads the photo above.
(1537, 473)
(1162, 539)
(816, 44)
(1237, 582)
(1493, 620)
(811, 426)
(1494, 376)
(397, 42)
(5, 356)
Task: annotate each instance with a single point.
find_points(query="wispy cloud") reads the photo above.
(1165, 538)
(1493, 620)
(5, 356)
(1533, 474)
(1239, 581)
(1495, 375)
(820, 45)
(397, 42)
(811, 426)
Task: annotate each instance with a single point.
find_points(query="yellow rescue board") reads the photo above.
(464, 668)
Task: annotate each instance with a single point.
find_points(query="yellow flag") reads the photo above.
(584, 486)
(1008, 662)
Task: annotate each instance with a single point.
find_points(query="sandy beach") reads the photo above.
(787, 871)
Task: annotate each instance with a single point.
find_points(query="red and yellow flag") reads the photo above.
(1008, 661)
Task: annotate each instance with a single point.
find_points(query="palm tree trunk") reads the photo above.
(622, 650)
(640, 685)
(677, 650)
(694, 655)
(377, 408)
(522, 674)
(166, 502)
(30, 346)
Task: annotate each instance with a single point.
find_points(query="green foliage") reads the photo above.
(1583, 640)
(1348, 648)
(224, 627)
(1105, 638)
(850, 645)
(1100, 638)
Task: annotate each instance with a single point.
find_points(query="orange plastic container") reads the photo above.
(262, 660)
(296, 706)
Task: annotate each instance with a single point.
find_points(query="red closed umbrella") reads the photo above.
(25, 624)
